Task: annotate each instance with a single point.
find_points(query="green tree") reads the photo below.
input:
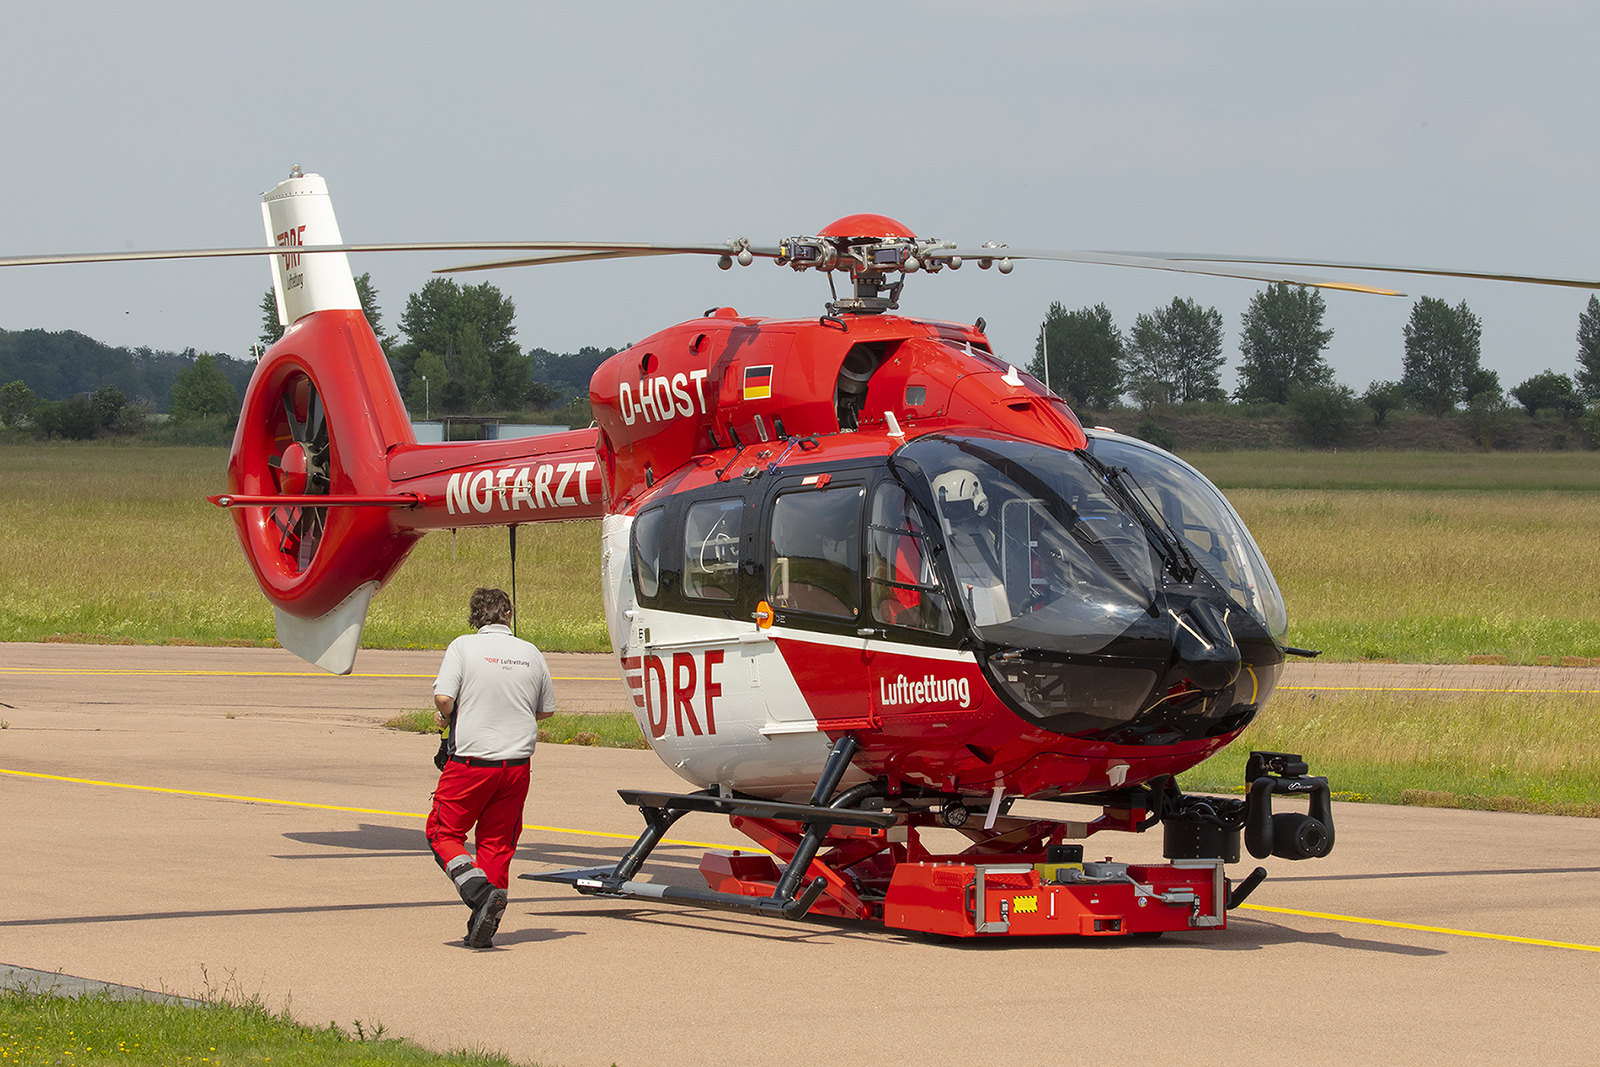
(76, 419)
(1487, 414)
(1549, 390)
(1281, 343)
(541, 396)
(426, 393)
(568, 373)
(47, 418)
(471, 366)
(1382, 398)
(369, 307)
(1443, 347)
(1588, 376)
(454, 398)
(1177, 350)
(16, 402)
(203, 390)
(272, 330)
(1323, 413)
(111, 410)
(1483, 380)
(1086, 353)
(473, 329)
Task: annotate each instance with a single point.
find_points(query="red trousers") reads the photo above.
(489, 798)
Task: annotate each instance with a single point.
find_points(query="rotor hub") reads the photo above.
(876, 251)
(294, 469)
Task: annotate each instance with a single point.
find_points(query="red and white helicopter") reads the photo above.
(863, 577)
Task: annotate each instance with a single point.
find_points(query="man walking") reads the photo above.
(495, 687)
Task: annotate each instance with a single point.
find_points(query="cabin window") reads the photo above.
(647, 552)
(816, 552)
(904, 588)
(711, 531)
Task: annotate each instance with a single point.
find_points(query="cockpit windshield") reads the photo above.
(1196, 511)
(1042, 555)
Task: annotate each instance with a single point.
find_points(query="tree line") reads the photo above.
(1175, 355)
(459, 355)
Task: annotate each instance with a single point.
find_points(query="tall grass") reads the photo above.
(558, 588)
(1434, 577)
(1489, 471)
(119, 544)
(1542, 747)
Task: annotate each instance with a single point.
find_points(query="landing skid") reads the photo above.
(1017, 877)
(785, 897)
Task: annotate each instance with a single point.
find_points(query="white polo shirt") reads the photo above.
(499, 683)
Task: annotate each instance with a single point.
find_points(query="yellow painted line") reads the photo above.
(1424, 689)
(329, 807)
(109, 672)
(706, 844)
(1425, 929)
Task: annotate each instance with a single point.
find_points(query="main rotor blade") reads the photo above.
(1155, 261)
(556, 257)
(1441, 272)
(617, 252)
(601, 249)
(1246, 267)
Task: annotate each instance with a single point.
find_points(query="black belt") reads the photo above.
(474, 761)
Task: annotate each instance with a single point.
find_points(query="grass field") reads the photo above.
(46, 1029)
(609, 729)
(1516, 751)
(1434, 577)
(118, 544)
(1419, 557)
(1407, 471)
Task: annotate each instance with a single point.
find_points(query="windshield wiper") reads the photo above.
(1173, 551)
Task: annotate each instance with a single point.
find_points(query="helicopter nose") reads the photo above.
(1204, 646)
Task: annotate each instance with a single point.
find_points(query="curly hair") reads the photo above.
(488, 606)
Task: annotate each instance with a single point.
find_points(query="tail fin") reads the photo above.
(319, 418)
(299, 212)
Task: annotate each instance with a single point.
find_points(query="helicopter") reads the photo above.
(865, 580)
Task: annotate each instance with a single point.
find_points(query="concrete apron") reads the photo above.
(320, 894)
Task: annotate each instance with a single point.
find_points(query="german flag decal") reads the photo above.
(758, 382)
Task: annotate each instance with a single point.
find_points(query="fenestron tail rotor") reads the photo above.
(301, 463)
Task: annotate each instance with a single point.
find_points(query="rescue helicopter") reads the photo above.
(864, 578)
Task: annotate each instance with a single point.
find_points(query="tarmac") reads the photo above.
(208, 822)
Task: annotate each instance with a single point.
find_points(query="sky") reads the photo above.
(1455, 134)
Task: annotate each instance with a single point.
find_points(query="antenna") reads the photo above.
(1044, 340)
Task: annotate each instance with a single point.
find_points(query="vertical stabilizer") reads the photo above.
(299, 212)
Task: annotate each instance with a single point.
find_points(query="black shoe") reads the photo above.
(486, 919)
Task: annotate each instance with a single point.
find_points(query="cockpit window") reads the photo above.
(1041, 554)
(1198, 512)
